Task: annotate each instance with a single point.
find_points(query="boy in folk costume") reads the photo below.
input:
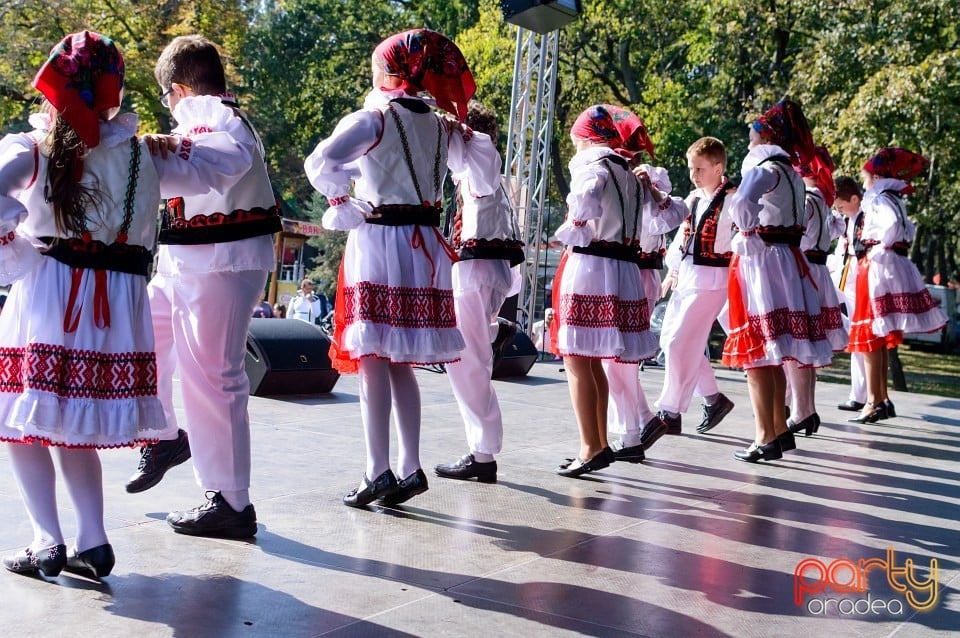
(601, 306)
(629, 414)
(774, 307)
(486, 238)
(821, 227)
(395, 304)
(843, 268)
(215, 253)
(78, 204)
(703, 254)
(891, 296)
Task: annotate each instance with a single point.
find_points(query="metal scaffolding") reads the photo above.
(526, 169)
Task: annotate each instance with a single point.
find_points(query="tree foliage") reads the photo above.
(869, 73)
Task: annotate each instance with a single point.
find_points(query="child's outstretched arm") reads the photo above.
(18, 170)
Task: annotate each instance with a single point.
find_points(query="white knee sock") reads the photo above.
(406, 410)
(35, 475)
(375, 412)
(84, 480)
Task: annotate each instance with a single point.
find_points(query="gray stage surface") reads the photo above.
(691, 543)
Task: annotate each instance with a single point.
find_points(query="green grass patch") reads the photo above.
(927, 372)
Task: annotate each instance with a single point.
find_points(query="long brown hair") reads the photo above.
(69, 198)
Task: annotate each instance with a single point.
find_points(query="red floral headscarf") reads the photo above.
(896, 162)
(81, 78)
(786, 126)
(622, 130)
(821, 168)
(428, 61)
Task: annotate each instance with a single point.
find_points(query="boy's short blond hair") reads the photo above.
(193, 61)
(710, 148)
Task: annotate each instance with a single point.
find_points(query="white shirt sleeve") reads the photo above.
(474, 154)
(328, 166)
(584, 203)
(212, 161)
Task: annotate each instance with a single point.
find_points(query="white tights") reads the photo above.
(384, 385)
(36, 477)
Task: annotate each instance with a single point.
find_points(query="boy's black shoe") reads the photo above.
(215, 518)
(713, 414)
(156, 459)
(652, 431)
(467, 467)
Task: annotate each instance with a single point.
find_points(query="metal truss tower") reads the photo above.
(527, 164)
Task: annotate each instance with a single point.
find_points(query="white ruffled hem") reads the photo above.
(399, 345)
(202, 112)
(17, 258)
(81, 422)
(607, 343)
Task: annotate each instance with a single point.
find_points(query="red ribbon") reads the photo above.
(101, 301)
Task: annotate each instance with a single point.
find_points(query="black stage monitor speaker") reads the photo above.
(288, 356)
(518, 357)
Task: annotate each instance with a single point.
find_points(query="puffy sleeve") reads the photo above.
(745, 209)
(883, 223)
(474, 154)
(216, 149)
(675, 252)
(583, 204)
(661, 217)
(331, 167)
(838, 224)
(18, 166)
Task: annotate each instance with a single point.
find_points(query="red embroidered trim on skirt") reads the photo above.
(783, 321)
(48, 443)
(604, 311)
(904, 303)
(399, 307)
(73, 374)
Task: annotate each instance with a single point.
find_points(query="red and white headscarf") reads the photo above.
(622, 130)
(82, 78)
(897, 163)
(785, 125)
(425, 60)
(821, 168)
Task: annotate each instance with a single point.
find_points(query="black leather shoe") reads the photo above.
(598, 462)
(850, 406)
(891, 411)
(407, 488)
(808, 426)
(215, 518)
(381, 486)
(631, 454)
(787, 441)
(49, 562)
(672, 422)
(467, 468)
(713, 414)
(156, 459)
(872, 414)
(652, 431)
(768, 452)
(97, 561)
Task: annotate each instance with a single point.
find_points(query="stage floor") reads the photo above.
(690, 543)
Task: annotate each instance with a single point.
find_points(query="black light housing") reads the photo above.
(540, 16)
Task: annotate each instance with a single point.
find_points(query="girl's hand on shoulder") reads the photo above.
(161, 144)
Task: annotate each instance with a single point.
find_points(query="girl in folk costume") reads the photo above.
(774, 307)
(601, 306)
(394, 303)
(891, 296)
(629, 414)
(78, 208)
(821, 227)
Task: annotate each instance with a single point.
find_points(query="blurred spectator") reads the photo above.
(279, 311)
(263, 310)
(307, 306)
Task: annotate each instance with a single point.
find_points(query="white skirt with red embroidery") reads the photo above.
(93, 386)
(603, 312)
(398, 296)
(899, 298)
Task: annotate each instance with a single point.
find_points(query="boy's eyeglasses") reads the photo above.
(165, 96)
